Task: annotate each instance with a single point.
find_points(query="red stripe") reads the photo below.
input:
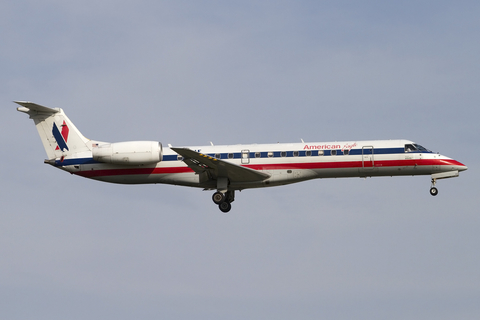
(356, 164)
(276, 166)
(121, 172)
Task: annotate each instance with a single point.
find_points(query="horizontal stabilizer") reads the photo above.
(28, 107)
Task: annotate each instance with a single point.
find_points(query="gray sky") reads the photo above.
(190, 72)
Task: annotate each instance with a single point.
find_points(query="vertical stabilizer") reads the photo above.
(59, 135)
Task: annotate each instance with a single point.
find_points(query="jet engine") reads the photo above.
(129, 153)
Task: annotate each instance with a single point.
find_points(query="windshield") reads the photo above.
(420, 148)
(415, 148)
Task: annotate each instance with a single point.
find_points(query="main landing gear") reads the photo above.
(433, 190)
(224, 200)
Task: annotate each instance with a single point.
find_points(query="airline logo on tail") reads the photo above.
(61, 137)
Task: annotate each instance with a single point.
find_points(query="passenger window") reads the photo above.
(333, 152)
(320, 152)
(218, 155)
(283, 154)
(270, 154)
(295, 153)
(230, 156)
(308, 153)
(345, 152)
(179, 158)
(257, 154)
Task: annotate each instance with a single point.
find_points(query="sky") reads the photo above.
(191, 72)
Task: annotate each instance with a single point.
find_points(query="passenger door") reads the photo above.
(368, 161)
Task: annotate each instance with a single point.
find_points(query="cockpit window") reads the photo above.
(419, 147)
(410, 148)
(415, 148)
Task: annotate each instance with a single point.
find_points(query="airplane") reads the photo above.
(229, 168)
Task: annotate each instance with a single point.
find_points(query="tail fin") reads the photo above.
(59, 135)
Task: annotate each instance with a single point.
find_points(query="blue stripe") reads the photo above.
(303, 153)
(76, 161)
(238, 155)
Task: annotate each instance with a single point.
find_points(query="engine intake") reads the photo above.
(129, 153)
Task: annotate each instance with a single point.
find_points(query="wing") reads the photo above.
(200, 163)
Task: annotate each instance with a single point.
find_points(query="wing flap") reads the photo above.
(200, 163)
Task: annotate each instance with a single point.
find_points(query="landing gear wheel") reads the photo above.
(225, 206)
(433, 191)
(218, 197)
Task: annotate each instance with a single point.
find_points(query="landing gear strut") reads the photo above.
(224, 200)
(433, 190)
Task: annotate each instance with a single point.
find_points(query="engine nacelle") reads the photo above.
(129, 153)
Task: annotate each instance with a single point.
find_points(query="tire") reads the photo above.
(218, 197)
(225, 207)
(433, 191)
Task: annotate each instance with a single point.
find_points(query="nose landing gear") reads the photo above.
(433, 189)
(224, 200)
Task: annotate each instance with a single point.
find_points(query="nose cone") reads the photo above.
(449, 164)
(462, 167)
(459, 166)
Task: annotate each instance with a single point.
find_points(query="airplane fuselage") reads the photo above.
(284, 163)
